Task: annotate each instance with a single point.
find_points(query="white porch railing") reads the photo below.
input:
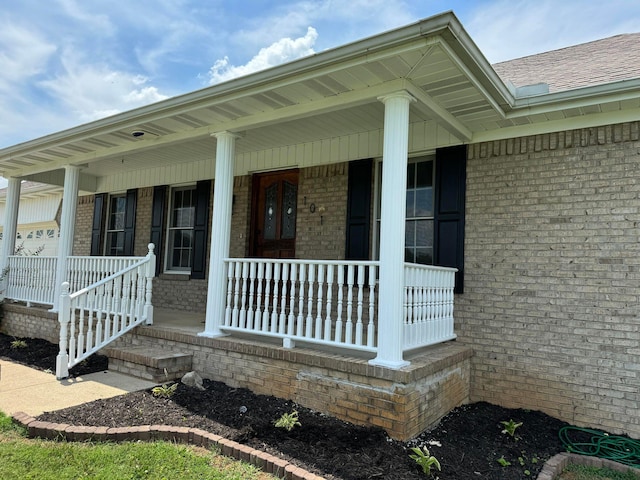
(322, 302)
(428, 308)
(96, 315)
(334, 302)
(31, 278)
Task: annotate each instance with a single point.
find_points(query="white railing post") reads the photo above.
(62, 360)
(150, 274)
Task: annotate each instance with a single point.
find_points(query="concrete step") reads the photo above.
(149, 363)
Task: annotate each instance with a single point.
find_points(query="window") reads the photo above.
(419, 221)
(114, 245)
(418, 240)
(181, 231)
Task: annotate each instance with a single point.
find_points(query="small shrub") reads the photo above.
(423, 458)
(17, 344)
(288, 421)
(510, 427)
(164, 391)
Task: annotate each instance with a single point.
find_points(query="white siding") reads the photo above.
(423, 136)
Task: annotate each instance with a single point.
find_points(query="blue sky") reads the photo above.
(67, 62)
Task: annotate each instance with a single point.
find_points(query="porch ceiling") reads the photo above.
(331, 94)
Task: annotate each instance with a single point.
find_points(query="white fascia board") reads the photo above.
(585, 121)
(576, 98)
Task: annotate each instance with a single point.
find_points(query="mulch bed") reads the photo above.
(468, 442)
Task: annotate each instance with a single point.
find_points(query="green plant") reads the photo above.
(503, 461)
(165, 390)
(16, 344)
(423, 458)
(510, 427)
(288, 421)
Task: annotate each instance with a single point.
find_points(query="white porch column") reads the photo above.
(67, 228)
(220, 233)
(10, 226)
(392, 230)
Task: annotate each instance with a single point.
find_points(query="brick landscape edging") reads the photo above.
(556, 464)
(277, 467)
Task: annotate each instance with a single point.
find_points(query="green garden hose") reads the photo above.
(602, 445)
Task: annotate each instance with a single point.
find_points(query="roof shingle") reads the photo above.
(594, 63)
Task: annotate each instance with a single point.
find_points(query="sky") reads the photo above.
(64, 63)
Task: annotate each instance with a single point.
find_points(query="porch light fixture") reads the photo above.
(137, 133)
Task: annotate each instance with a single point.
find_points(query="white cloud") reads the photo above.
(93, 91)
(282, 51)
(23, 54)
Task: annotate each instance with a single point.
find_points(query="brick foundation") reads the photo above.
(402, 402)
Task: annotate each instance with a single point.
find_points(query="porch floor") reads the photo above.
(178, 320)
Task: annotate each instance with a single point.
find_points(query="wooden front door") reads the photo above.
(274, 211)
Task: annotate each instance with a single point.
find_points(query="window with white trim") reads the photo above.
(419, 220)
(180, 230)
(114, 238)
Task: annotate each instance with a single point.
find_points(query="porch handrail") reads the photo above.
(329, 302)
(98, 314)
(428, 306)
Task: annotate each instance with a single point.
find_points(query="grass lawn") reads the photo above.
(23, 459)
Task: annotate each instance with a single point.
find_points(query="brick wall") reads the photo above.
(239, 245)
(144, 204)
(82, 232)
(29, 322)
(552, 273)
(321, 235)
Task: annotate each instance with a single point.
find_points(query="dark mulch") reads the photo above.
(42, 354)
(468, 442)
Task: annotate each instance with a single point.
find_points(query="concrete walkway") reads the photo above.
(24, 389)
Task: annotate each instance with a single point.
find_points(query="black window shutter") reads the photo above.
(99, 201)
(200, 229)
(359, 210)
(451, 173)
(130, 221)
(157, 223)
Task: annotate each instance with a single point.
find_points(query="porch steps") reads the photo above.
(149, 363)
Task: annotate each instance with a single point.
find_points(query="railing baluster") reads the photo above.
(252, 285)
(338, 333)
(359, 306)
(292, 297)
(318, 330)
(242, 321)
(309, 320)
(349, 327)
(283, 300)
(236, 295)
(371, 326)
(259, 280)
(267, 296)
(328, 323)
(303, 276)
(227, 314)
(276, 284)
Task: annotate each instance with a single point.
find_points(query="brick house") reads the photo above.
(278, 204)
